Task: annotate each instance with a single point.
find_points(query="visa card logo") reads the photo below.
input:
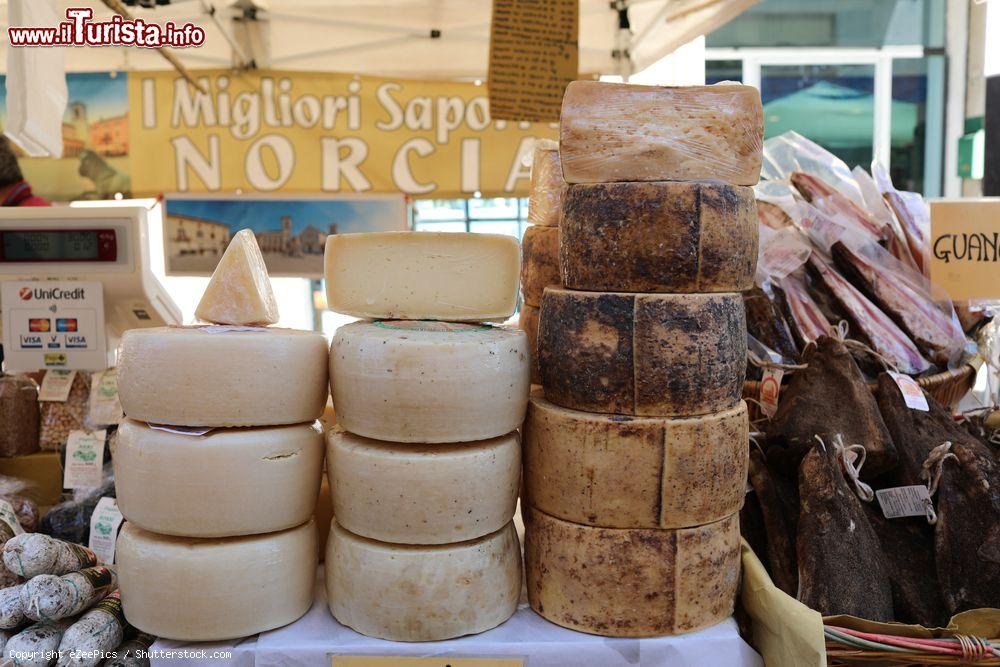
(31, 342)
(76, 340)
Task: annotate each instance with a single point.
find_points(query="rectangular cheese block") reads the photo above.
(547, 185)
(539, 262)
(631, 582)
(634, 472)
(240, 291)
(666, 236)
(623, 132)
(657, 355)
(423, 275)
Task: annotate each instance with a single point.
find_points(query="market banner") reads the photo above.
(264, 131)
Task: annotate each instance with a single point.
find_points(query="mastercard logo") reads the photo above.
(25, 293)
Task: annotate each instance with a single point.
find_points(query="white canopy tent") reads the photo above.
(407, 38)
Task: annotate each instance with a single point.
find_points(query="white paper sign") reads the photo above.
(56, 386)
(84, 459)
(9, 517)
(770, 390)
(913, 395)
(104, 523)
(105, 408)
(901, 501)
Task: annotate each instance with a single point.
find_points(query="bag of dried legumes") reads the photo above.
(65, 398)
(19, 416)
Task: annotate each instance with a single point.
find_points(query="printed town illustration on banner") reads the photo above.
(95, 131)
(320, 132)
(291, 232)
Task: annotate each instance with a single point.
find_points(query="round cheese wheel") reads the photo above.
(237, 481)
(423, 381)
(422, 593)
(659, 237)
(642, 354)
(192, 589)
(635, 472)
(220, 376)
(423, 494)
(539, 262)
(631, 582)
(547, 185)
(527, 322)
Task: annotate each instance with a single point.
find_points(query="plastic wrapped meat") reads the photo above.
(842, 209)
(804, 316)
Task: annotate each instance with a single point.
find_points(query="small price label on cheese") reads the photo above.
(913, 395)
(56, 385)
(105, 408)
(770, 390)
(104, 523)
(901, 501)
(84, 459)
(9, 517)
(410, 661)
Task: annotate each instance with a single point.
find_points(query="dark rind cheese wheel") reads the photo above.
(631, 582)
(539, 262)
(642, 354)
(659, 237)
(634, 472)
(527, 322)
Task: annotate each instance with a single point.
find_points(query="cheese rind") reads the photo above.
(631, 582)
(192, 589)
(658, 237)
(527, 322)
(545, 199)
(240, 290)
(539, 262)
(459, 277)
(642, 354)
(623, 132)
(639, 472)
(422, 593)
(225, 483)
(423, 494)
(190, 376)
(424, 381)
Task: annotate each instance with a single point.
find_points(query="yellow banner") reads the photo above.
(322, 133)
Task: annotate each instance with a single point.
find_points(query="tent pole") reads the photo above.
(117, 7)
(245, 62)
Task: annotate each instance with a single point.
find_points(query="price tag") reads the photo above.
(56, 386)
(105, 408)
(104, 523)
(901, 501)
(9, 517)
(84, 459)
(770, 390)
(913, 395)
(410, 661)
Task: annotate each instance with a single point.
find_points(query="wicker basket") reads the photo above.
(946, 388)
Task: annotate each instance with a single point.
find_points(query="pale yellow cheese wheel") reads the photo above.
(422, 593)
(218, 376)
(423, 494)
(429, 381)
(192, 589)
(234, 481)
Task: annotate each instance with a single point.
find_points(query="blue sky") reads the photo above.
(265, 214)
(104, 96)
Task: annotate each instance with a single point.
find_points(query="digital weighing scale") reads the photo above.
(72, 280)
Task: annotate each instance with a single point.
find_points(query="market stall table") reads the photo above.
(315, 637)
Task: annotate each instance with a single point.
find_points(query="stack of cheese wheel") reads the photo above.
(635, 451)
(540, 246)
(424, 465)
(218, 464)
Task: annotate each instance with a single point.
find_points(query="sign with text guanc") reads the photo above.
(965, 248)
(318, 132)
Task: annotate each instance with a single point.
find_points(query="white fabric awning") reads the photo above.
(406, 38)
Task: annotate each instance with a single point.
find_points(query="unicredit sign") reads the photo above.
(56, 294)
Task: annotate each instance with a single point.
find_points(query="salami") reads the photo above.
(31, 554)
(49, 597)
(95, 634)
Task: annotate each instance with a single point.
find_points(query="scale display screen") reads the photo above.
(58, 245)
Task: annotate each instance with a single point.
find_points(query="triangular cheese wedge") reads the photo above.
(239, 291)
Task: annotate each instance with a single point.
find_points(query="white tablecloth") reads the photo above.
(316, 636)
